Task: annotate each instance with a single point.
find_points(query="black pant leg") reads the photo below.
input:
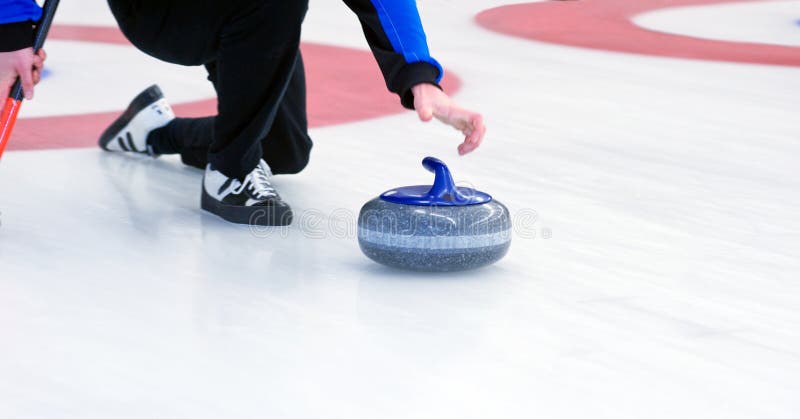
(256, 60)
(287, 146)
(189, 137)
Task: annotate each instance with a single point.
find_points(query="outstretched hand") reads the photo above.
(24, 64)
(430, 102)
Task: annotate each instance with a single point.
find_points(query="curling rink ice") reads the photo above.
(654, 270)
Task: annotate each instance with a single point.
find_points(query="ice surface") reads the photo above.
(662, 281)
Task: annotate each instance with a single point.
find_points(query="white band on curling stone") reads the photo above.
(435, 242)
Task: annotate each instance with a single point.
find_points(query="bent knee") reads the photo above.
(294, 168)
(294, 165)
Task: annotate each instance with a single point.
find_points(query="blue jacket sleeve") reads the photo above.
(393, 29)
(16, 23)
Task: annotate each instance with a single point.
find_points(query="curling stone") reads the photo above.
(434, 228)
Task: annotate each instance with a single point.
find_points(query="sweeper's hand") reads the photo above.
(430, 102)
(24, 64)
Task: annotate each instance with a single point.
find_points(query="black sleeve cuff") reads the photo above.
(16, 36)
(411, 75)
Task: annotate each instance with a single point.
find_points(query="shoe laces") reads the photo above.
(257, 182)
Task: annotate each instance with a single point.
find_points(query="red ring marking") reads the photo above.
(606, 25)
(344, 85)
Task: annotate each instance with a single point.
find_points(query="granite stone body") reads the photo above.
(434, 238)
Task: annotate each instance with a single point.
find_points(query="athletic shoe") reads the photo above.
(148, 111)
(253, 201)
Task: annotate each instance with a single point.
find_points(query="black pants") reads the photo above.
(251, 51)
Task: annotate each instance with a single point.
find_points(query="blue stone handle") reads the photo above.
(443, 186)
(444, 191)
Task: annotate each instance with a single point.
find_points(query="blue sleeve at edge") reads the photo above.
(401, 22)
(12, 11)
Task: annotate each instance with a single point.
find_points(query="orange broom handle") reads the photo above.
(7, 119)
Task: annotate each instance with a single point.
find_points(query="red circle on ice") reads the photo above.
(607, 25)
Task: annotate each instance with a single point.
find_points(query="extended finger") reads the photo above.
(478, 128)
(26, 76)
(38, 63)
(458, 122)
(466, 147)
(474, 137)
(472, 141)
(481, 136)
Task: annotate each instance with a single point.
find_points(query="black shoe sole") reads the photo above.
(262, 216)
(141, 101)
